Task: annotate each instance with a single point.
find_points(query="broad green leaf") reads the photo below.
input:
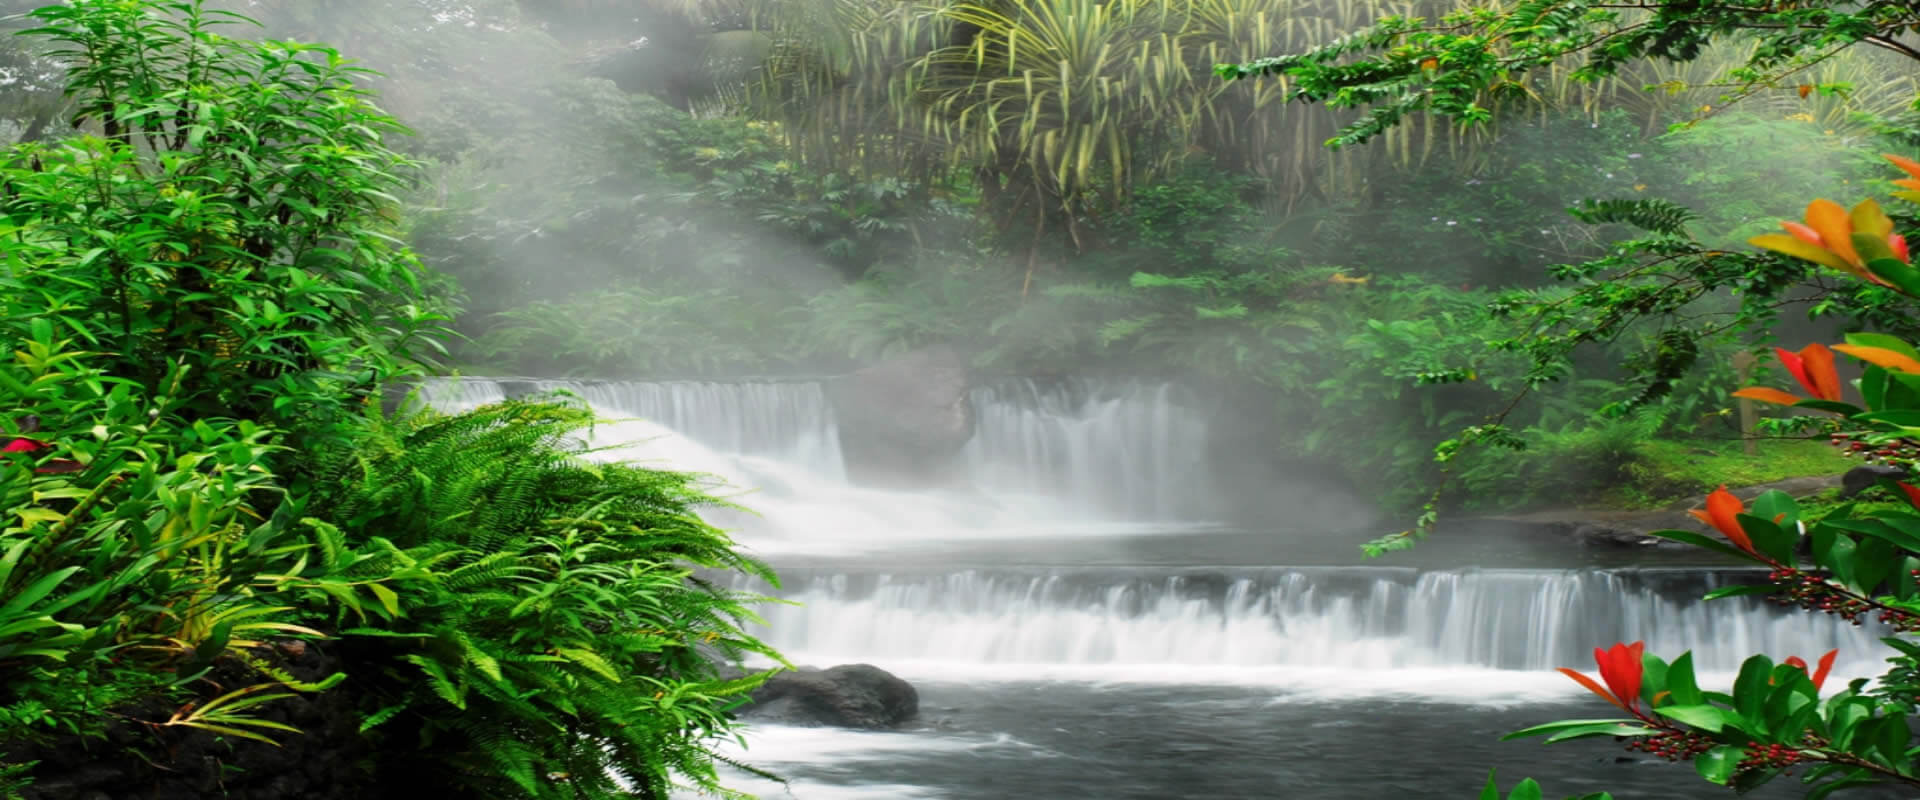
(1717, 765)
(1736, 591)
(1703, 542)
(1768, 538)
(1709, 718)
(1556, 727)
(1682, 687)
(1750, 692)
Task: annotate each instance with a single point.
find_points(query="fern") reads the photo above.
(563, 640)
(1649, 214)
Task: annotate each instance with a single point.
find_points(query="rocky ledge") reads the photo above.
(1632, 529)
(846, 696)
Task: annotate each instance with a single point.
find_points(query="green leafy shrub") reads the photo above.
(139, 550)
(565, 645)
(235, 216)
(1569, 464)
(201, 304)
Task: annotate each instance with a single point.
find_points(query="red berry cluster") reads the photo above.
(1768, 756)
(1673, 745)
(1899, 450)
(1813, 593)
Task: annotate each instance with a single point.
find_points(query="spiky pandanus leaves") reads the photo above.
(1064, 90)
(840, 80)
(566, 646)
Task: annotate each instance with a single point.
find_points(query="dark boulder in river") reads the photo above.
(903, 421)
(846, 696)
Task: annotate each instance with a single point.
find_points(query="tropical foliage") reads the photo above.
(205, 296)
(560, 631)
(1463, 64)
(1858, 566)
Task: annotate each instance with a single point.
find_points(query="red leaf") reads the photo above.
(1826, 666)
(22, 446)
(1912, 492)
(1594, 687)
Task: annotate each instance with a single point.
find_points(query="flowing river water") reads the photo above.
(1079, 628)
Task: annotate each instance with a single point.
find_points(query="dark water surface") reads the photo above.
(1091, 741)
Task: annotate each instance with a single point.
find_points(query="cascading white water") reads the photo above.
(791, 422)
(1130, 449)
(1347, 618)
(1057, 458)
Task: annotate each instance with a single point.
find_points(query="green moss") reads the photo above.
(1817, 507)
(1670, 470)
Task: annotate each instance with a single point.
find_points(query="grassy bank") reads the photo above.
(1667, 471)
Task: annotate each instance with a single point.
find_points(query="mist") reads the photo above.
(1068, 382)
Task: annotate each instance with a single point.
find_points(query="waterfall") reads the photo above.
(1131, 448)
(1055, 451)
(1060, 459)
(1344, 618)
(791, 422)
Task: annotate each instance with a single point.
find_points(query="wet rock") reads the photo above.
(1616, 535)
(1867, 476)
(846, 696)
(902, 422)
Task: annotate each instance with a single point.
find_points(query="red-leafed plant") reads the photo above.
(1858, 565)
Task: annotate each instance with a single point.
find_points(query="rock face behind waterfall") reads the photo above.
(846, 696)
(902, 422)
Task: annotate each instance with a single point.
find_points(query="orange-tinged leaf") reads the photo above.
(1805, 89)
(1723, 513)
(1594, 686)
(1881, 357)
(1802, 232)
(1819, 366)
(1835, 228)
(1911, 166)
(1766, 395)
(1868, 218)
(1788, 245)
(1908, 183)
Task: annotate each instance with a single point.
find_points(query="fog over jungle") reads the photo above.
(676, 188)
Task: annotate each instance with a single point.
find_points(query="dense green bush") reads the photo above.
(202, 304)
(233, 217)
(561, 630)
(140, 549)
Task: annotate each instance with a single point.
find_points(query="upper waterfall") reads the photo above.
(1068, 451)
